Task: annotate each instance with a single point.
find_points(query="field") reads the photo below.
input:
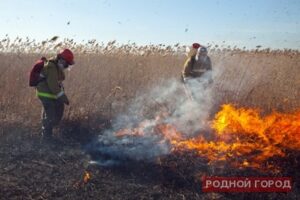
(104, 83)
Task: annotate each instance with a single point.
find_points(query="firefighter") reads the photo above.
(197, 68)
(51, 93)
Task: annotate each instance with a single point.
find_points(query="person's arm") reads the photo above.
(187, 69)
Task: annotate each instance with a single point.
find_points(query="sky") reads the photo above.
(270, 23)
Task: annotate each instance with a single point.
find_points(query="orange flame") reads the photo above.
(276, 128)
(242, 137)
(86, 177)
(246, 139)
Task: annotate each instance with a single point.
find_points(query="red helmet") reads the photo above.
(196, 45)
(67, 55)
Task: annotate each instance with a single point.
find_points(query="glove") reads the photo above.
(67, 102)
(186, 79)
(61, 85)
(64, 99)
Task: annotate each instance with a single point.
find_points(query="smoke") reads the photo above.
(135, 134)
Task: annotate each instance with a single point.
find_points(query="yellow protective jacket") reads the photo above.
(193, 68)
(51, 87)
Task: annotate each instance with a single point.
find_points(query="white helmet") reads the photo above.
(203, 50)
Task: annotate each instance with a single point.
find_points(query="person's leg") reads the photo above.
(48, 117)
(59, 111)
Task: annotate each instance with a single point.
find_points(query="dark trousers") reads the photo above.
(51, 115)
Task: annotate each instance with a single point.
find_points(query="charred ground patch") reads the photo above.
(34, 170)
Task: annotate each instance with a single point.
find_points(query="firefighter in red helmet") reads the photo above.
(50, 90)
(197, 64)
(197, 70)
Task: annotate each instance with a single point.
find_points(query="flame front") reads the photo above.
(245, 139)
(239, 136)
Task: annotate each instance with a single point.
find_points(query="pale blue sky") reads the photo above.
(270, 23)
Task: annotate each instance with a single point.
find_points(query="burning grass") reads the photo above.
(240, 137)
(247, 140)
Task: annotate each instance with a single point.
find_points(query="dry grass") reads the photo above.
(265, 78)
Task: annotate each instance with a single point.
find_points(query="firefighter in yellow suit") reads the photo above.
(196, 67)
(197, 70)
(50, 91)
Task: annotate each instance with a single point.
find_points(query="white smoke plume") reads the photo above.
(165, 104)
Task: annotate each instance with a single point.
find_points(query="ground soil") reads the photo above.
(33, 169)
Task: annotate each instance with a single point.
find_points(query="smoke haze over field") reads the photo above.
(136, 134)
